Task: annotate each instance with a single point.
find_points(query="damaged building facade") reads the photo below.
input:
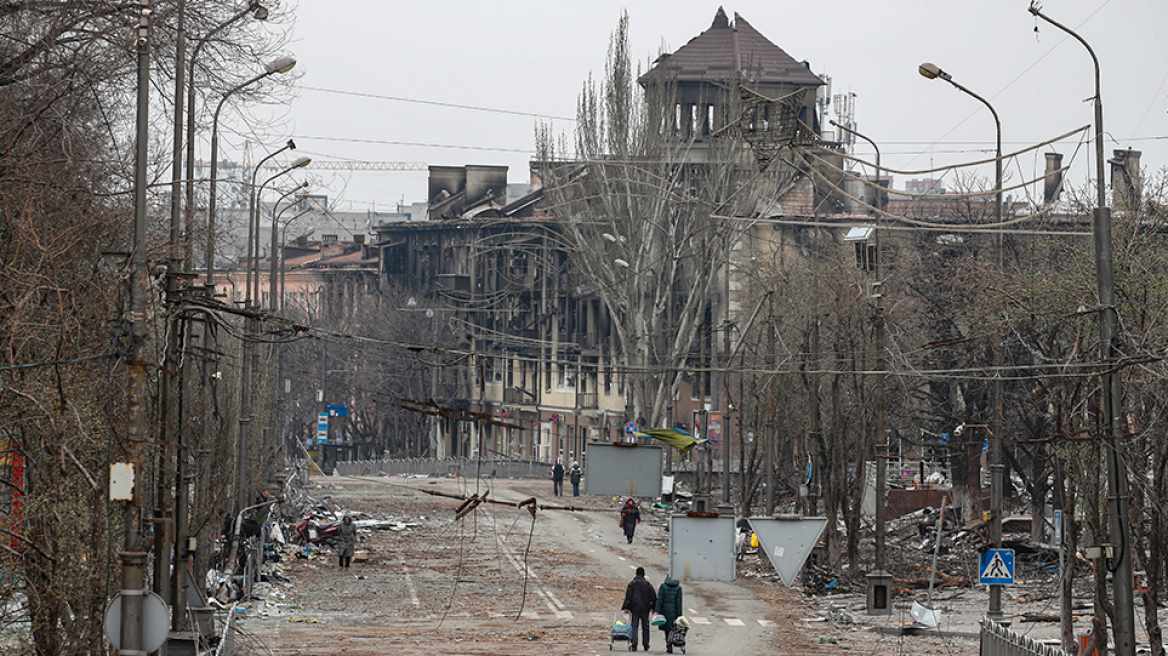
(504, 271)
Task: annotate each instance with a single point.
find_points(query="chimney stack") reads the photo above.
(1126, 186)
(1053, 181)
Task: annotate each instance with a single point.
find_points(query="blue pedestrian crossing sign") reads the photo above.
(997, 567)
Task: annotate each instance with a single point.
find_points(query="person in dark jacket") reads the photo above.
(630, 517)
(347, 544)
(558, 478)
(668, 604)
(640, 598)
(574, 475)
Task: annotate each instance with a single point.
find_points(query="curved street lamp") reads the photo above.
(997, 467)
(251, 224)
(254, 251)
(878, 577)
(260, 13)
(933, 72)
(1119, 520)
(281, 65)
(284, 245)
(273, 256)
(242, 436)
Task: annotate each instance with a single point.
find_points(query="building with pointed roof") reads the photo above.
(708, 70)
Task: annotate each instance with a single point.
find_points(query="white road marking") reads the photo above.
(550, 600)
(559, 605)
(699, 620)
(563, 615)
(410, 584)
(766, 623)
(733, 621)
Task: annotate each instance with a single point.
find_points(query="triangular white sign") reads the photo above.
(788, 542)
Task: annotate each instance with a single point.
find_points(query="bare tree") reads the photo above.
(637, 203)
(66, 138)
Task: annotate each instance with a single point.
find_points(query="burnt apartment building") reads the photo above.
(541, 345)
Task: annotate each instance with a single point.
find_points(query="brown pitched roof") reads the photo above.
(723, 49)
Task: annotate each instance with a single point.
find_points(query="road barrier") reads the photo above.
(464, 467)
(998, 640)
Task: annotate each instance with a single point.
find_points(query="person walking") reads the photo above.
(668, 604)
(558, 478)
(574, 475)
(630, 517)
(348, 542)
(640, 598)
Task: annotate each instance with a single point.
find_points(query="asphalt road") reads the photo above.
(494, 582)
(724, 616)
(499, 581)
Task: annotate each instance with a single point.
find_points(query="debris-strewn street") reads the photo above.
(425, 583)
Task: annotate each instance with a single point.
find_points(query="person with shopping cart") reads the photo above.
(640, 598)
(669, 600)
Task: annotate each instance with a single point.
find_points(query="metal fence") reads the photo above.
(997, 640)
(465, 467)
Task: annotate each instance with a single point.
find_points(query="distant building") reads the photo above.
(925, 186)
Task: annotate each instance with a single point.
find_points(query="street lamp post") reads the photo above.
(997, 466)
(248, 349)
(879, 579)
(283, 259)
(261, 13)
(251, 222)
(1117, 501)
(281, 65)
(273, 256)
(209, 432)
(132, 556)
(254, 246)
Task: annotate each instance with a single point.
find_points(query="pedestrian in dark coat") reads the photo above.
(640, 598)
(348, 542)
(574, 475)
(669, 605)
(558, 478)
(630, 517)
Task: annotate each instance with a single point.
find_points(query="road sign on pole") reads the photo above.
(997, 567)
(788, 541)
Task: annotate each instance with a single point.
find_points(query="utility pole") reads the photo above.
(1117, 502)
(768, 430)
(814, 436)
(133, 559)
(166, 580)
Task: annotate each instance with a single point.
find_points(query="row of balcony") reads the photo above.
(584, 400)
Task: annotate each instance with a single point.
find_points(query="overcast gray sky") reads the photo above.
(532, 58)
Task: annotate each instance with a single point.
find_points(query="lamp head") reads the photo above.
(932, 71)
(291, 145)
(621, 263)
(281, 65)
(608, 237)
(259, 11)
(300, 162)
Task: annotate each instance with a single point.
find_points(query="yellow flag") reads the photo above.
(674, 437)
